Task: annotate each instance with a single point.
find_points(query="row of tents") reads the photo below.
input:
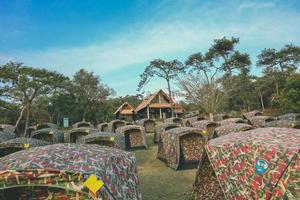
(236, 159)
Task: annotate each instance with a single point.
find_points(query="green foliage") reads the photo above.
(22, 85)
(89, 92)
(168, 70)
(287, 58)
(289, 100)
(223, 52)
(241, 92)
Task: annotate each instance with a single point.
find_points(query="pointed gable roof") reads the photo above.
(149, 99)
(122, 109)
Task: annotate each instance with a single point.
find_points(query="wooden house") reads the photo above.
(125, 112)
(158, 106)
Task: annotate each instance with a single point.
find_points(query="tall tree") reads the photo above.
(168, 70)
(289, 100)
(277, 66)
(225, 57)
(287, 58)
(208, 96)
(88, 91)
(200, 63)
(23, 85)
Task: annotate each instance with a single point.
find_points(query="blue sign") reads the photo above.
(66, 122)
(261, 166)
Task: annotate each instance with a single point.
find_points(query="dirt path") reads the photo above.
(160, 182)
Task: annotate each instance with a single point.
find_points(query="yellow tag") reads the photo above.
(112, 139)
(293, 125)
(204, 132)
(26, 146)
(93, 184)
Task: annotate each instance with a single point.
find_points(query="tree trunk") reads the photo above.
(170, 94)
(27, 119)
(19, 119)
(262, 102)
(211, 116)
(277, 88)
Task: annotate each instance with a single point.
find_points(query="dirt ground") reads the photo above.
(159, 182)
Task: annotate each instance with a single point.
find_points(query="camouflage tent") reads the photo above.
(18, 144)
(82, 124)
(174, 120)
(60, 171)
(46, 125)
(259, 121)
(49, 134)
(106, 139)
(261, 163)
(115, 124)
(161, 127)
(4, 136)
(231, 128)
(135, 136)
(148, 124)
(283, 123)
(220, 117)
(76, 135)
(7, 128)
(30, 129)
(103, 127)
(290, 116)
(231, 120)
(181, 147)
(207, 126)
(250, 114)
(188, 121)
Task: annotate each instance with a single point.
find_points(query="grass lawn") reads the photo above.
(159, 182)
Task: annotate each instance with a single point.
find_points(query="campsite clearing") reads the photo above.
(159, 182)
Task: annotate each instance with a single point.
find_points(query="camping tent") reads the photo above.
(261, 163)
(148, 124)
(18, 144)
(181, 147)
(135, 136)
(49, 134)
(30, 129)
(4, 136)
(231, 120)
(7, 128)
(188, 121)
(103, 127)
(220, 117)
(250, 114)
(290, 116)
(76, 135)
(69, 171)
(174, 120)
(82, 124)
(115, 124)
(231, 128)
(206, 125)
(106, 139)
(283, 123)
(161, 127)
(259, 121)
(46, 125)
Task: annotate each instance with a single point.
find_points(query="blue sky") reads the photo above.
(116, 39)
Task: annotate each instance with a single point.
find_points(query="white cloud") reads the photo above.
(256, 5)
(173, 32)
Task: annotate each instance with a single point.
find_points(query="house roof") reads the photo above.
(125, 111)
(147, 101)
